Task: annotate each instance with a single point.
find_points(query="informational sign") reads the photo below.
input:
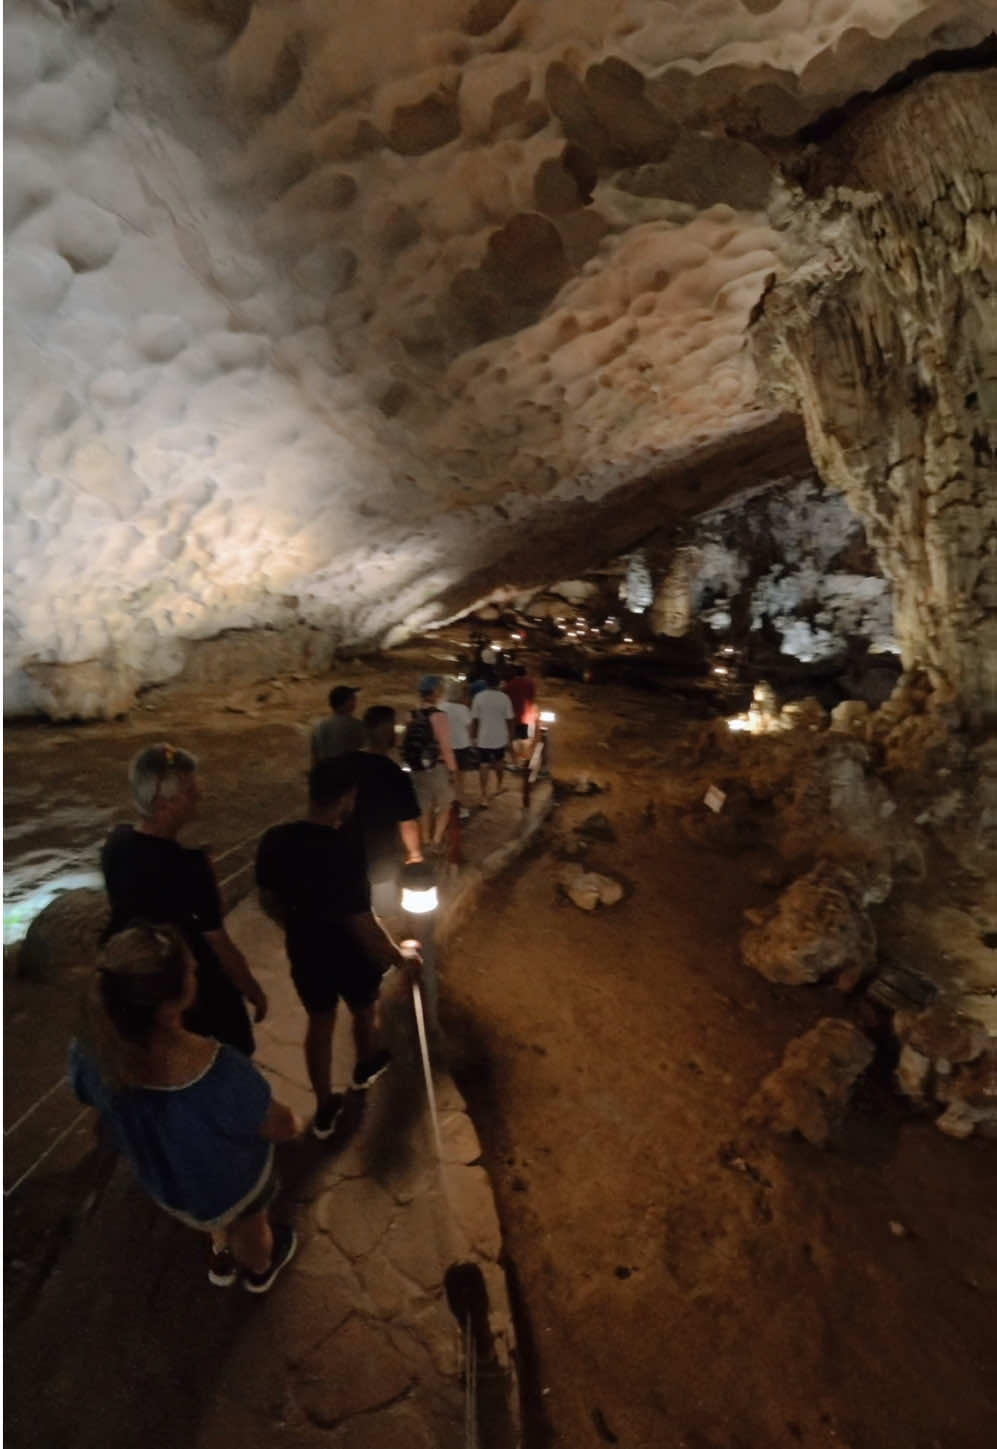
(714, 798)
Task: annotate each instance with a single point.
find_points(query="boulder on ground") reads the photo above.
(818, 928)
(64, 936)
(588, 889)
(809, 1092)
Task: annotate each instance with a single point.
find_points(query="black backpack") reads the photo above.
(420, 747)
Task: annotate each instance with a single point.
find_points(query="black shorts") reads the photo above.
(467, 759)
(491, 757)
(321, 981)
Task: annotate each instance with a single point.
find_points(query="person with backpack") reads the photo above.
(427, 751)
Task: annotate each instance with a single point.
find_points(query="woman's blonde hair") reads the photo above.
(140, 970)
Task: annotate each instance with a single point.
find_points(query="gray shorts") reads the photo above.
(433, 789)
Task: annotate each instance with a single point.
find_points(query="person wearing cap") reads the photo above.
(428, 752)
(339, 731)
(151, 878)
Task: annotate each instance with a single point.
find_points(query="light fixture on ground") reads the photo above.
(420, 899)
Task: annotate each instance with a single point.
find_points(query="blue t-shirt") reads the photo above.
(196, 1148)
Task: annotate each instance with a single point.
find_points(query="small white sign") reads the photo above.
(714, 798)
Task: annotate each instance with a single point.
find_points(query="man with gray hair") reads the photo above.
(151, 877)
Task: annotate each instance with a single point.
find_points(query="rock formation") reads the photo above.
(336, 319)
(889, 343)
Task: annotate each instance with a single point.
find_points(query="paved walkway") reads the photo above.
(358, 1345)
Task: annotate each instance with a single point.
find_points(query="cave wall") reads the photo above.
(327, 319)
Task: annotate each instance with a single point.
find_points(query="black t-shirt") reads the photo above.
(156, 880)
(319, 876)
(385, 796)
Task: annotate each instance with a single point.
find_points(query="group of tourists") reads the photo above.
(166, 1046)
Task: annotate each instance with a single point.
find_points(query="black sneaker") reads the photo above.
(325, 1119)
(285, 1245)
(365, 1074)
(223, 1270)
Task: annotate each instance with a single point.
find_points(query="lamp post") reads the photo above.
(420, 899)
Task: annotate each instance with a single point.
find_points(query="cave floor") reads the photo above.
(681, 1284)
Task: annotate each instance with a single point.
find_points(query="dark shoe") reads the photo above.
(223, 1270)
(325, 1119)
(365, 1074)
(285, 1245)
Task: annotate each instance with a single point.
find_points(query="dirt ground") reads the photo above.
(682, 1283)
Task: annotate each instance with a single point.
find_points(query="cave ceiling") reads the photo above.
(357, 312)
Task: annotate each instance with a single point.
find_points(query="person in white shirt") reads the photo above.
(459, 715)
(491, 714)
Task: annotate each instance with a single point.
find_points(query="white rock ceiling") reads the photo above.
(353, 312)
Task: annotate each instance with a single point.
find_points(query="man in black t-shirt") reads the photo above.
(151, 877)
(312, 878)
(387, 812)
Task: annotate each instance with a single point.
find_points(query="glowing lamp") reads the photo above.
(738, 723)
(419, 894)
(419, 903)
(547, 716)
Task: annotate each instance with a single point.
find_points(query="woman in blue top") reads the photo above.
(194, 1117)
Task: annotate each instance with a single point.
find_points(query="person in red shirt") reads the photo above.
(522, 694)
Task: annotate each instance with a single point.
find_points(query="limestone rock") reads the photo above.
(588, 889)
(809, 1092)
(941, 1033)
(851, 717)
(804, 714)
(817, 929)
(65, 935)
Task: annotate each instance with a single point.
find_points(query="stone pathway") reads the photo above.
(357, 1346)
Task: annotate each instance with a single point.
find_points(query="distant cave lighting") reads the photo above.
(628, 638)
(721, 669)
(547, 716)
(518, 638)
(461, 678)
(739, 722)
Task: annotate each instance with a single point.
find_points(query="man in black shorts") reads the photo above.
(151, 877)
(312, 878)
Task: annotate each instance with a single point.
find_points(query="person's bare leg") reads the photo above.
(318, 1054)
(219, 1240)
(367, 1031)
(442, 825)
(426, 826)
(483, 777)
(499, 768)
(250, 1241)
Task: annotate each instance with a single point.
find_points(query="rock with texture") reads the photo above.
(588, 889)
(818, 929)
(810, 1091)
(65, 936)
